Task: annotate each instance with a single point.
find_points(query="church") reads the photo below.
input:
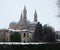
(23, 26)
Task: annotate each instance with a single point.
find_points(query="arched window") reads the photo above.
(24, 41)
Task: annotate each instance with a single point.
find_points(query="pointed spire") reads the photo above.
(21, 16)
(24, 7)
(24, 11)
(21, 19)
(35, 16)
(35, 12)
(24, 15)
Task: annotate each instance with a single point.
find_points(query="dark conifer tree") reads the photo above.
(37, 36)
(49, 34)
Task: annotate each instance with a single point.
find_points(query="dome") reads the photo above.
(28, 22)
(33, 24)
(12, 23)
(21, 22)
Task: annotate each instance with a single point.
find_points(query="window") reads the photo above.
(24, 34)
(24, 41)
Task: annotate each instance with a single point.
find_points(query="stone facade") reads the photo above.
(4, 35)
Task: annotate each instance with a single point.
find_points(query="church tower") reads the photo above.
(35, 16)
(24, 16)
(24, 20)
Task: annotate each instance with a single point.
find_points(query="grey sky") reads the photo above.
(10, 10)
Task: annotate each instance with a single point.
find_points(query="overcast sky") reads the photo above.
(10, 11)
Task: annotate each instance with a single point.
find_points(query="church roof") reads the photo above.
(13, 23)
(33, 24)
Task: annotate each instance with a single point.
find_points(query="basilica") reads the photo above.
(23, 23)
(23, 26)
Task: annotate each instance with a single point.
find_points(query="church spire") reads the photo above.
(24, 11)
(35, 16)
(24, 15)
(21, 19)
(25, 8)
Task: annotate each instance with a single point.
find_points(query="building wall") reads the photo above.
(1, 35)
(26, 36)
(4, 35)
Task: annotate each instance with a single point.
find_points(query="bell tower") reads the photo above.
(24, 22)
(24, 16)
